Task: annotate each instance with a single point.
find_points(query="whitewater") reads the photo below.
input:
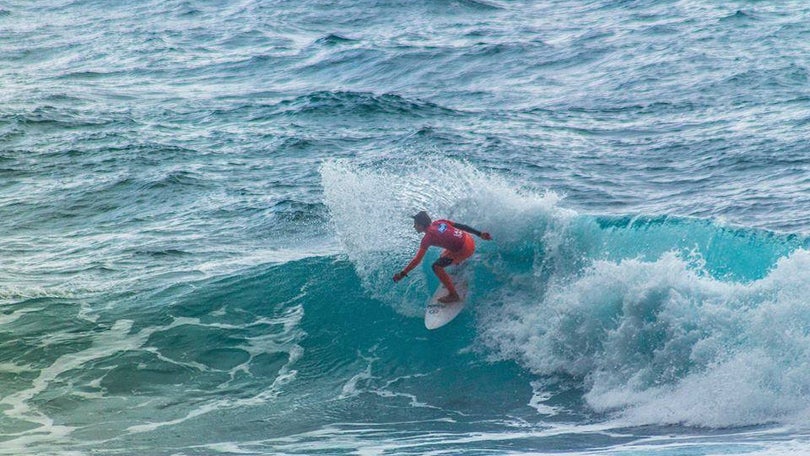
(203, 204)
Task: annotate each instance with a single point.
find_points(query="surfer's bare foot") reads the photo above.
(451, 297)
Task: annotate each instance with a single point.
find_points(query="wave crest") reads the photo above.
(642, 312)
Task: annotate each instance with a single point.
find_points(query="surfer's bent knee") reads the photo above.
(442, 262)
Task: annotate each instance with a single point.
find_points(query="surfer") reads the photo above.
(453, 237)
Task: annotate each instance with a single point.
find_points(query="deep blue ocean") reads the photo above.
(202, 204)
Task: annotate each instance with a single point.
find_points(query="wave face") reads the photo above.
(662, 320)
(582, 331)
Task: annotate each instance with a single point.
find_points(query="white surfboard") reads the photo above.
(438, 314)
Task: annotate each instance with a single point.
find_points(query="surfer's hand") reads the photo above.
(399, 276)
(486, 236)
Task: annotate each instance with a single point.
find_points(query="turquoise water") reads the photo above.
(203, 203)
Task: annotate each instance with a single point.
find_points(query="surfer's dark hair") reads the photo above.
(422, 218)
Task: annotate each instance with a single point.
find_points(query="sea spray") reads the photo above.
(371, 209)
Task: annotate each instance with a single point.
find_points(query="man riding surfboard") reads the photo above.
(453, 237)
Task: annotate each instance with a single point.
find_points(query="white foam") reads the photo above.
(539, 397)
(659, 342)
(116, 339)
(268, 343)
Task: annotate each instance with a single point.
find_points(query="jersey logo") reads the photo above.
(442, 227)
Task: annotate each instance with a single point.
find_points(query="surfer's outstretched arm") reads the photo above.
(482, 234)
(414, 263)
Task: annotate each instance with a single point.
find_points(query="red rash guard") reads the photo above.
(442, 233)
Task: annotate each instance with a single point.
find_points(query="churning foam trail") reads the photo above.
(663, 342)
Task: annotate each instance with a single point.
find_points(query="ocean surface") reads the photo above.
(202, 204)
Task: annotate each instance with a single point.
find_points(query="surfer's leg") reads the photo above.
(465, 252)
(444, 278)
(447, 258)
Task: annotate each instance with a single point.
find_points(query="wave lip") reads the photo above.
(360, 104)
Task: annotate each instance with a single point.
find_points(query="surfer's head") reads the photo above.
(421, 221)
